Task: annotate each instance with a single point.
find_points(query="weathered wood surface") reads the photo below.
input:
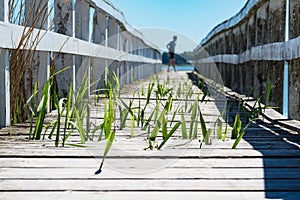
(266, 164)
(254, 47)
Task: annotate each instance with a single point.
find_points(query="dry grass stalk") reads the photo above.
(22, 61)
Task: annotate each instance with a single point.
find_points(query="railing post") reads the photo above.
(6, 11)
(73, 57)
(294, 65)
(49, 54)
(128, 72)
(106, 45)
(5, 77)
(118, 38)
(89, 77)
(121, 73)
(4, 88)
(286, 64)
(106, 30)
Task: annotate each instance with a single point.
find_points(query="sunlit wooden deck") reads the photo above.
(266, 164)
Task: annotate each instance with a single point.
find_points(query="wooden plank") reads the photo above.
(130, 144)
(133, 145)
(267, 161)
(138, 151)
(179, 163)
(147, 195)
(150, 185)
(159, 174)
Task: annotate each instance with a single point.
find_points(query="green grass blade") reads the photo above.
(58, 72)
(158, 125)
(132, 125)
(109, 142)
(142, 117)
(68, 114)
(94, 130)
(60, 110)
(116, 79)
(183, 127)
(150, 88)
(147, 123)
(207, 139)
(139, 112)
(123, 117)
(164, 128)
(240, 136)
(195, 135)
(69, 134)
(193, 117)
(169, 135)
(79, 126)
(156, 111)
(236, 127)
(219, 129)
(42, 110)
(30, 103)
(226, 132)
(53, 129)
(143, 90)
(203, 125)
(174, 114)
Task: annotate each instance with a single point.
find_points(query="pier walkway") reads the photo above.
(266, 163)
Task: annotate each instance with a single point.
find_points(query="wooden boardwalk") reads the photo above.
(266, 163)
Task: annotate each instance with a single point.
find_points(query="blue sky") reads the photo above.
(192, 18)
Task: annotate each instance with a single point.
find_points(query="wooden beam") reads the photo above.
(278, 51)
(4, 88)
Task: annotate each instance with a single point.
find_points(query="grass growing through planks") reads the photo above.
(41, 108)
(253, 115)
(23, 63)
(109, 142)
(160, 121)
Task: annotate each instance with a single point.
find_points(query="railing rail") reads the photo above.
(80, 30)
(259, 44)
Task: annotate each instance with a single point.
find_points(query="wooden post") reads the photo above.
(286, 64)
(49, 57)
(4, 77)
(240, 67)
(294, 65)
(4, 10)
(121, 73)
(234, 50)
(82, 19)
(49, 54)
(73, 57)
(128, 72)
(106, 45)
(89, 77)
(1, 10)
(118, 38)
(4, 88)
(99, 28)
(106, 30)
(64, 23)
(98, 65)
